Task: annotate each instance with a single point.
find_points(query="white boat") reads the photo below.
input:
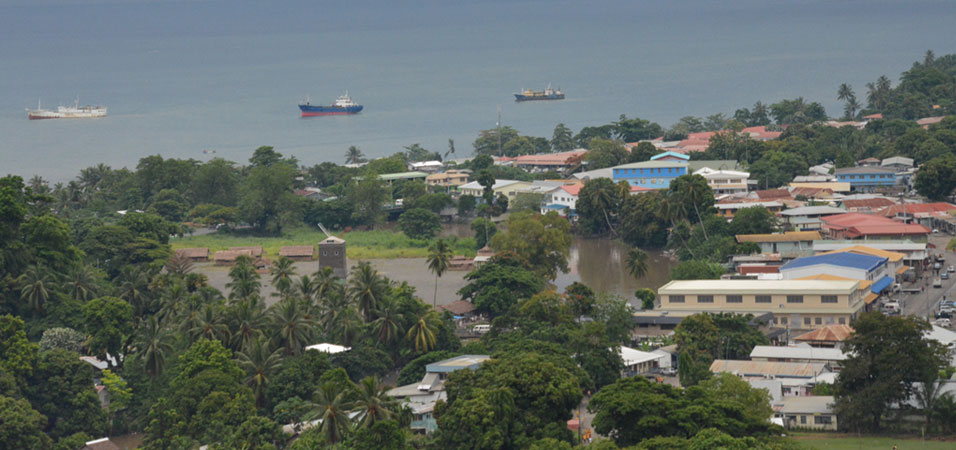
(67, 112)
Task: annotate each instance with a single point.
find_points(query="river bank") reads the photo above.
(598, 263)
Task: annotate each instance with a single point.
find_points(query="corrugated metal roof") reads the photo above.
(780, 237)
(762, 368)
(802, 352)
(693, 287)
(843, 259)
(807, 405)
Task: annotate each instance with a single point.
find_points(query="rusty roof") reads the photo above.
(761, 368)
(197, 252)
(254, 250)
(297, 250)
(829, 333)
(458, 308)
(789, 236)
(230, 255)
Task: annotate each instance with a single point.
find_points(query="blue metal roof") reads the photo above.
(881, 284)
(845, 259)
(668, 153)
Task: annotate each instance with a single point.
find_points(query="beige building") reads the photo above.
(508, 188)
(451, 178)
(796, 304)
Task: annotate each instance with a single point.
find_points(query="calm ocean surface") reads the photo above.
(183, 76)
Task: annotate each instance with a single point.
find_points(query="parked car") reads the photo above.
(669, 371)
(944, 275)
(937, 282)
(945, 323)
(951, 269)
(891, 308)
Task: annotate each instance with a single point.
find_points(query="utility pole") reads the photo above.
(498, 127)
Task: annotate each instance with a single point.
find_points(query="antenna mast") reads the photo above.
(498, 127)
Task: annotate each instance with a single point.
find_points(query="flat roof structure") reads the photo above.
(797, 352)
(457, 363)
(789, 236)
(781, 287)
(764, 368)
(811, 404)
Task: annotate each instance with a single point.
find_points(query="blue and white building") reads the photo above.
(422, 396)
(650, 174)
(850, 265)
(866, 179)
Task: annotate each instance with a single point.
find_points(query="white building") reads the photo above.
(561, 198)
(725, 181)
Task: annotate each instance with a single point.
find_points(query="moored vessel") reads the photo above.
(341, 106)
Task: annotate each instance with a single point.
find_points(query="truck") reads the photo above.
(891, 308)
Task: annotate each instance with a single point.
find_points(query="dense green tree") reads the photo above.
(562, 139)
(488, 141)
(776, 168)
(466, 204)
(266, 200)
(633, 130)
(872, 378)
(331, 406)
(259, 361)
(367, 289)
(64, 338)
(292, 325)
(646, 296)
(644, 222)
(354, 156)
(385, 434)
(605, 153)
(702, 338)
(367, 197)
(21, 426)
(484, 230)
(419, 223)
(498, 284)
(60, 388)
(584, 137)
(937, 178)
(154, 345)
(541, 243)
(109, 322)
(797, 111)
(754, 220)
(215, 182)
(298, 376)
(697, 270)
(637, 263)
(282, 272)
(49, 238)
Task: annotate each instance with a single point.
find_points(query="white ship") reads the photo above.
(67, 112)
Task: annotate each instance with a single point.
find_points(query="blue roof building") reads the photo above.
(866, 179)
(846, 264)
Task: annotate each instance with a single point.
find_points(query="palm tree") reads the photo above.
(422, 332)
(331, 407)
(81, 282)
(637, 263)
(246, 322)
(208, 324)
(244, 281)
(304, 287)
(133, 287)
(844, 92)
(259, 361)
(179, 264)
(36, 284)
(388, 324)
(282, 272)
(602, 197)
(293, 329)
(154, 343)
(366, 289)
(372, 403)
(345, 325)
(354, 156)
(438, 256)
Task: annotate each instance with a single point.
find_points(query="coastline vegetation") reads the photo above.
(375, 244)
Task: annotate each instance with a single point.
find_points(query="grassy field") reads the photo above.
(850, 442)
(361, 244)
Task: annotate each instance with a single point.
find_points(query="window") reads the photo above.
(806, 321)
(325, 253)
(762, 299)
(705, 299)
(676, 298)
(794, 299)
(735, 299)
(822, 420)
(803, 419)
(842, 321)
(783, 320)
(828, 299)
(818, 321)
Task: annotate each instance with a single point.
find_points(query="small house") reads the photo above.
(298, 252)
(228, 257)
(460, 262)
(254, 251)
(194, 254)
(813, 412)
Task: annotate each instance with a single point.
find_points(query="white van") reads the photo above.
(481, 329)
(891, 308)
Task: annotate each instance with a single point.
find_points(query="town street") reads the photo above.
(924, 304)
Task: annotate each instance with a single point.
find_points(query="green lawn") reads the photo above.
(360, 244)
(849, 442)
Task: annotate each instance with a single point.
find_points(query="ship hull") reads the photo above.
(527, 98)
(66, 113)
(314, 111)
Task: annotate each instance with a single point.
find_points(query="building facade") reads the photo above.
(866, 179)
(797, 304)
(650, 174)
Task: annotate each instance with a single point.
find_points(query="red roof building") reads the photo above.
(868, 226)
(912, 209)
(773, 194)
(867, 204)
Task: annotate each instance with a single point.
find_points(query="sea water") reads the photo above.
(225, 76)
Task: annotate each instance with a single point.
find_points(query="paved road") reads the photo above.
(924, 304)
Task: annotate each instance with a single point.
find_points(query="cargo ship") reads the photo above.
(547, 94)
(342, 105)
(67, 112)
